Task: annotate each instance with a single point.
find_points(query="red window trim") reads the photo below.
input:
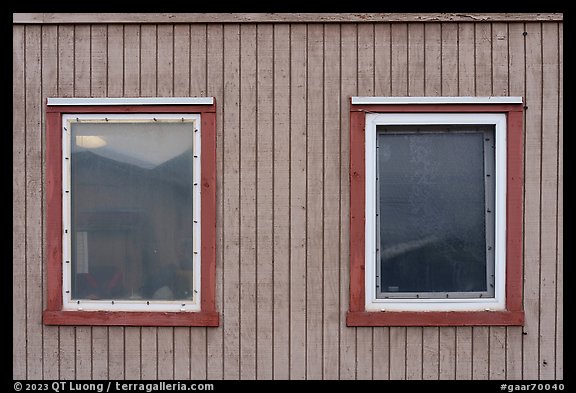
(53, 314)
(514, 314)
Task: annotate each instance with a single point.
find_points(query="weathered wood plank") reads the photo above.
(382, 59)
(331, 201)
(165, 353)
(215, 87)
(115, 363)
(466, 59)
(413, 352)
(549, 201)
(190, 344)
(148, 60)
(415, 71)
(449, 59)
(183, 62)
(197, 351)
(399, 56)
(281, 203)
(198, 61)
(247, 202)
(83, 352)
(447, 353)
(100, 360)
(98, 60)
(149, 352)
(277, 17)
(366, 59)
(298, 212)
(165, 61)
(348, 87)
(132, 38)
(430, 353)
(133, 352)
(182, 349)
(19, 202)
(231, 195)
(397, 352)
(33, 167)
(115, 61)
(516, 62)
(50, 359)
(432, 59)
(560, 214)
(314, 200)
(464, 353)
(264, 201)
(532, 199)
(480, 352)
(497, 361)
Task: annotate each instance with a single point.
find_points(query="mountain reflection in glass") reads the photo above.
(432, 194)
(131, 210)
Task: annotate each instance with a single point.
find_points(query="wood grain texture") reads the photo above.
(281, 202)
(298, 212)
(532, 199)
(215, 87)
(247, 205)
(314, 200)
(560, 214)
(264, 201)
(549, 202)
(19, 355)
(331, 203)
(231, 201)
(348, 87)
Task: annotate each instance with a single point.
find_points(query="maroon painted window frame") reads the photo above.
(513, 314)
(54, 314)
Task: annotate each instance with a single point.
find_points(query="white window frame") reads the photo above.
(498, 302)
(140, 304)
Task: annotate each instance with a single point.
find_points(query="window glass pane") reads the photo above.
(131, 213)
(432, 210)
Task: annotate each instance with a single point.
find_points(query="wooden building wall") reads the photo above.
(282, 91)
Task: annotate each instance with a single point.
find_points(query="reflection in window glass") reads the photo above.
(131, 210)
(434, 191)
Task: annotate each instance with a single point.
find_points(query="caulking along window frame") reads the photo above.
(366, 308)
(61, 309)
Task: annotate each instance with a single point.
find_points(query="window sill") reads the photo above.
(128, 318)
(435, 318)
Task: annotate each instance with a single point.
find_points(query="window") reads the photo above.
(436, 211)
(131, 212)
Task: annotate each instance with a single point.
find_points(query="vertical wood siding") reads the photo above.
(283, 193)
